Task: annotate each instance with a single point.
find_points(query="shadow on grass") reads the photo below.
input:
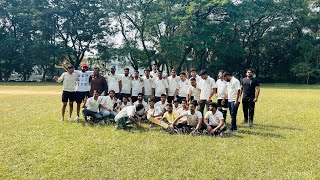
(271, 135)
(262, 126)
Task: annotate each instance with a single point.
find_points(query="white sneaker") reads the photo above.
(70, 119)
(62, 119)
(77, 119)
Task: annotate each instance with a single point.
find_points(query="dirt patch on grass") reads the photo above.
(28, 92)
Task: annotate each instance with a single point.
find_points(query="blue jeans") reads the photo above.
(233, 113)
(96, 116)
(105, 113)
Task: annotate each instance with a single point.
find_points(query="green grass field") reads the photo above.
(34, 145)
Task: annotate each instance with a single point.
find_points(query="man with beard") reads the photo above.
(250, 88)
(207, 88)
(126, 84)
(214, 120)
(98, 82)
(148, 81)
(114, 81)
(107, 105)
(172, 85)
(142, 114)
(137, 86)
(159, 87)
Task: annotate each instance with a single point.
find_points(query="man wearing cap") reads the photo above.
(98, 82)
(207, 88)
(114, 81)
(148, 81)
(126, 84)
(233, 96)
(159, 87)
(69, 80)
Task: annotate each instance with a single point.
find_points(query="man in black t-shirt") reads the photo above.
(250, 88)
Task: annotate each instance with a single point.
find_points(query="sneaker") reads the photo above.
(62, 119)
(70, 119)
(77, 119)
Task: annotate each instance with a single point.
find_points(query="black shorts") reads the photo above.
(68, 96)
(220, 104)
(80, 96)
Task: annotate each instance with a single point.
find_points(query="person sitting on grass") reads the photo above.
(193, 123)
(91, 107)
(125, 102)
(126, 116)
(170, 115)
(107, 105)
(214, 120)
(162, 103)
(176, 105)
(142, 114)
(69, 80)
(154, 111)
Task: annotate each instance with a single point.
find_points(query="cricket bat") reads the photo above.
(158, 122)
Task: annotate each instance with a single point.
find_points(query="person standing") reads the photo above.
(233, 96)
(159, 87)
(183, 86)
(207, 88)
(148, 81)
(126, 84)
(172, 85)
(221, 91)
(193, 91)
(194, 74)
(137, 86)
(250, 88)
(98, 82)
(114, 81)
(69, 80)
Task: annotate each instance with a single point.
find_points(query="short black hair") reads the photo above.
(249, 69)
(136, 71)
(139, 107)
(203, 72)
(193, 103)
(126, 69)
(193, 69)
(152, 100)
(184, 100)
(112, 91)
(146, 70)
(97, 91)
(140, 94)
(193, 79)
(226, 74)
(182, 72)
(163, 95)
(213, 104)
(169, 105)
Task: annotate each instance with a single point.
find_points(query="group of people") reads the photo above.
(178, 101)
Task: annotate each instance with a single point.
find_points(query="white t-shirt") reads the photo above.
(174, 108)
(173, 85)
(183, 88)
(233, 87)
(147, 85)
(206, 87)
(137, 86)
(144, 109)
(108, 102)
(181, 111)
(221, 88)
(125, 112)
(160, 86)
(113, 82)
(122, 105)
(154, 74)
(193, 91)
(192, 119)
(126, 84)
(92, 104)
(83, 80)
(162, 106)
(154, 112)
(198, 78)
(69, 81)
(214, 119)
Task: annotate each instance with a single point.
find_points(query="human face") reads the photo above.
(95, 94)
(96, 71)
(135, 74)
(173, 73)
(182, 77)
(193, 73)
(163, 99)
(151, 103)
(125, 99)
(183, 104)
(193, 83)
(154, 68)
(160, 75)
(210, 108)
(147, 73)
(220, 75)
(140, 98)
(192, 108)
(111, 94)
(249, 74)
(227, 78)
(113, 70)
(70, 70)
(84, 68)
(204, 76)
(126, 72)
(169, 109)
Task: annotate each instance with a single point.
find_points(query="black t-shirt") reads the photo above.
(249, 87)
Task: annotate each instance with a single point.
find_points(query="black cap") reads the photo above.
(202, 72)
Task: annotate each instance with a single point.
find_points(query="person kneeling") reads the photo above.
(126, 116)
(193, 123)
(214, 120)
(91, 107)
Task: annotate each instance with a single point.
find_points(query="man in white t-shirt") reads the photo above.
(194, 120)
(176, 105)
(126, 84)
(92, 107)
(126, 115)
(207, 88)
(159, 86)
(214, 120)
(107, 105)
(193, 91)
(183, 109)
(233, 96)
(69, 80)
(194, 74)
(172, 85)
(148, 81)
(142, 114)
(114, 82)
(162, 103)
(183, 86)
(221, 91)
(154, 72)
(154, 111)
(137, 86)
